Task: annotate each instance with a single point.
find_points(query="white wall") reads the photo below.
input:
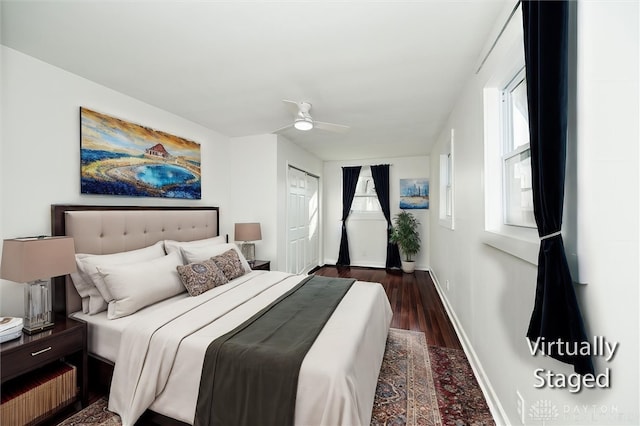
(40, 150)
(491, 293)
(2, 106)
(367, 237)
(259, 189)
(253, 189)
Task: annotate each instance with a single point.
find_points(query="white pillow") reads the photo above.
(85, 305)
(135, 286)
(91, 297)
(198, 254)
(87, 264)
(171, 246)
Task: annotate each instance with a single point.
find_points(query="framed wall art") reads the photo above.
(122, 158)
(414, 193)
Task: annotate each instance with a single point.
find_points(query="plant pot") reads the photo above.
(408, 267)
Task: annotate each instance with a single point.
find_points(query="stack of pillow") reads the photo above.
(123, 283)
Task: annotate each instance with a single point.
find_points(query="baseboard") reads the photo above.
(498, 413)
(315, 268)
(369, 266)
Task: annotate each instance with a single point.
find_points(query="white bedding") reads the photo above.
(159, 359)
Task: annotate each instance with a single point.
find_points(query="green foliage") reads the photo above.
(405, 234)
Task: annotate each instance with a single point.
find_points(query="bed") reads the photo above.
(157, 361)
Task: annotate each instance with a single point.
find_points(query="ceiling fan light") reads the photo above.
(303, 124)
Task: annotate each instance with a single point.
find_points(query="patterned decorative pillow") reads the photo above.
(229, 263)
(199, 277)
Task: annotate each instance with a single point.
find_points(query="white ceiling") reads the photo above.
(390, 70)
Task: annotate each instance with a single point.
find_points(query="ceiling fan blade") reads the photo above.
(293, 106)
(282, 129)
(331, 127)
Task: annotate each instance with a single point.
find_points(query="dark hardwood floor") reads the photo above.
(414, 300)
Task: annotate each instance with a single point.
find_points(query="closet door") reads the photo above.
(313, 223)
(302, 221)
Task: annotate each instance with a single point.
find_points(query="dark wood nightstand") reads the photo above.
(67, 341)
(260, 265)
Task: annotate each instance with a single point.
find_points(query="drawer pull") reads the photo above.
(41, 351)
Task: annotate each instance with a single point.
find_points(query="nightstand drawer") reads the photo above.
(28, 356)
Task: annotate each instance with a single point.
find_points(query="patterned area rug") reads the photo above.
(95, 414)
(460, 399)
(405, 394)
(410, 389)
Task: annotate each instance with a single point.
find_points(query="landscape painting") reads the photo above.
(414, 193)
(121, 158)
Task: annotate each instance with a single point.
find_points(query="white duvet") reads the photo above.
(161, 355)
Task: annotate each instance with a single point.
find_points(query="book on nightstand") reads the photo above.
(10, 328)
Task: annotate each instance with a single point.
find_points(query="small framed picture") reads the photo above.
(414, 193)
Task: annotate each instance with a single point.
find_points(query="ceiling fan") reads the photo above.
(304, 122)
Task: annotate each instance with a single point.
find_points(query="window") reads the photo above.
(366, 198)
(448, 187)
(446, 184)
(508, 198)
(516, 155)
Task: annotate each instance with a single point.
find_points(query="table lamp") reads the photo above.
(34, 261)
(247, 232)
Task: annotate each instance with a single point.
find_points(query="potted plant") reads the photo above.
(405, 234)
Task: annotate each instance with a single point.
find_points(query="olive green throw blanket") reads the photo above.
(250, 375)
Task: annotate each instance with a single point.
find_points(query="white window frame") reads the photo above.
(518, 241)
(371, 214)
(447, 187)
(511, 151)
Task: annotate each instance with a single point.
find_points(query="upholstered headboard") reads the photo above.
(112, 229)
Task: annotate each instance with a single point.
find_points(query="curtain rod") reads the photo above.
(369, 165)
(495, 42)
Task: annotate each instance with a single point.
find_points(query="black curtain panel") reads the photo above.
(380, 176)
(556, 315)
(349, 183)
